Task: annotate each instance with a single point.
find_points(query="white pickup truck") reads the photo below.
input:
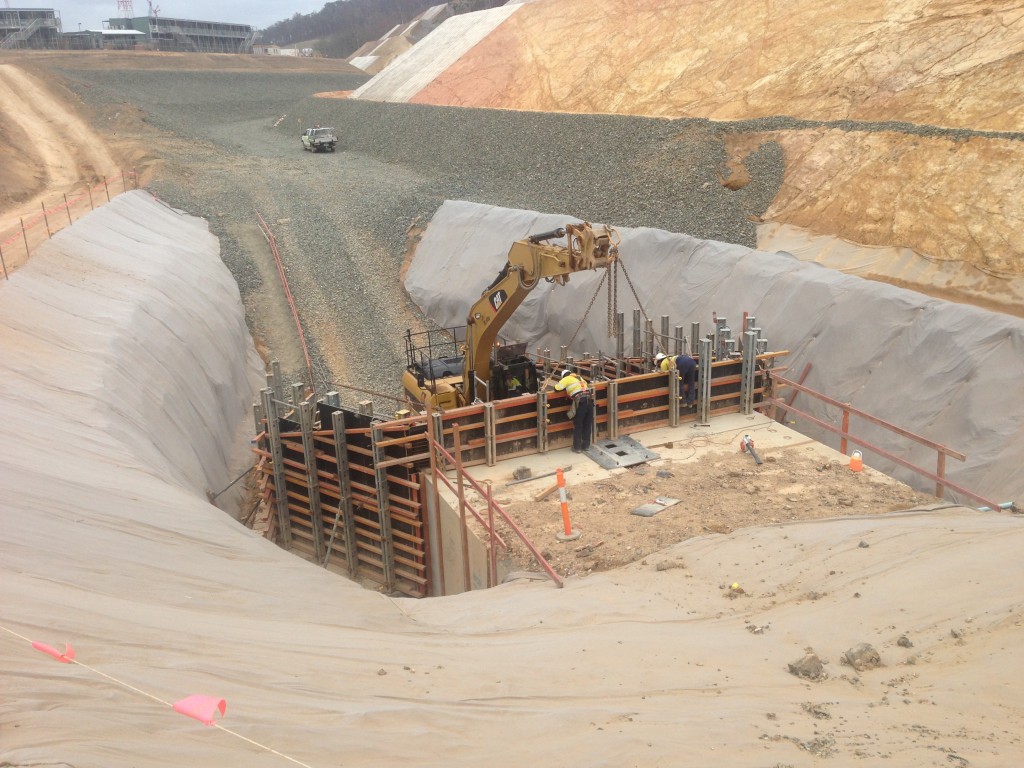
(319, 139)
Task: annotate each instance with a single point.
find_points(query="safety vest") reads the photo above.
(572, 384)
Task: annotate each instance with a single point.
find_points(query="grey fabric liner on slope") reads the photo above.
(123, 377)
(949, 372)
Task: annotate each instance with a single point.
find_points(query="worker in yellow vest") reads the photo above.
(581, 411)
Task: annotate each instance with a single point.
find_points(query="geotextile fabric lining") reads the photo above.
(949, 372)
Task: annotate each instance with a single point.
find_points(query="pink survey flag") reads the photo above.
(202, 708)
(64, 658)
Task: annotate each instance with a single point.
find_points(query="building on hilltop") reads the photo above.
(29, 28)
(162, 34)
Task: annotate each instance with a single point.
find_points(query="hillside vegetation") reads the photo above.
(339, 28)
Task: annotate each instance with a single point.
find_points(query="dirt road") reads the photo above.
(48, 150)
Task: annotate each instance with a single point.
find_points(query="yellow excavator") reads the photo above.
(466, 366)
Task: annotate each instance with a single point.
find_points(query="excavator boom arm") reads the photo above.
(529, 260)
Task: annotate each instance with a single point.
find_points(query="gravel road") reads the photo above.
(230, 146)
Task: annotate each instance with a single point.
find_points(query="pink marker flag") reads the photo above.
(202, 708)
(63, 658)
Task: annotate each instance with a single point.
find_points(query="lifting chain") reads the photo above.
(589, 307)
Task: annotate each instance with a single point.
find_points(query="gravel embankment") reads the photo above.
(341, 219)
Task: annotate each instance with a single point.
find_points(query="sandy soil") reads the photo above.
(718, 488)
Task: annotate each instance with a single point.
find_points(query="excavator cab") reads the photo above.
(513, 373)
(435, 361)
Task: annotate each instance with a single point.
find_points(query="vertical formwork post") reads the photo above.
(387, 552)
(695, 338)
(542, 422)
(648, 343)
(276, 380)
(673, 397)
(345, 491)
(664, 339)
(613, 409)
(748, 372)
(298, 393)
(704, 384)
(678, 341)
(277, 460)
(490, 438)
(637, 350)
(257, 417)
(312, 477)
(333, 398)
(620, 342)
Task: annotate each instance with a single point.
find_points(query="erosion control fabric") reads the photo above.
(949, 372)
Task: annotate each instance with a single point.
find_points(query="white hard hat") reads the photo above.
(659, 357)
(566, 372)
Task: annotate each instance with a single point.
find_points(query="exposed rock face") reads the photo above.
(914, 111)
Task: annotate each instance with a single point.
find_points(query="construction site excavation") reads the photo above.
(487, 398)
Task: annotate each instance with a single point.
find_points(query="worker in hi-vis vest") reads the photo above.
(581, 411)
(687, 368)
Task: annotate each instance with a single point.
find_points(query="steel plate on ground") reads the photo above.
(620, 452)
(654, 507)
